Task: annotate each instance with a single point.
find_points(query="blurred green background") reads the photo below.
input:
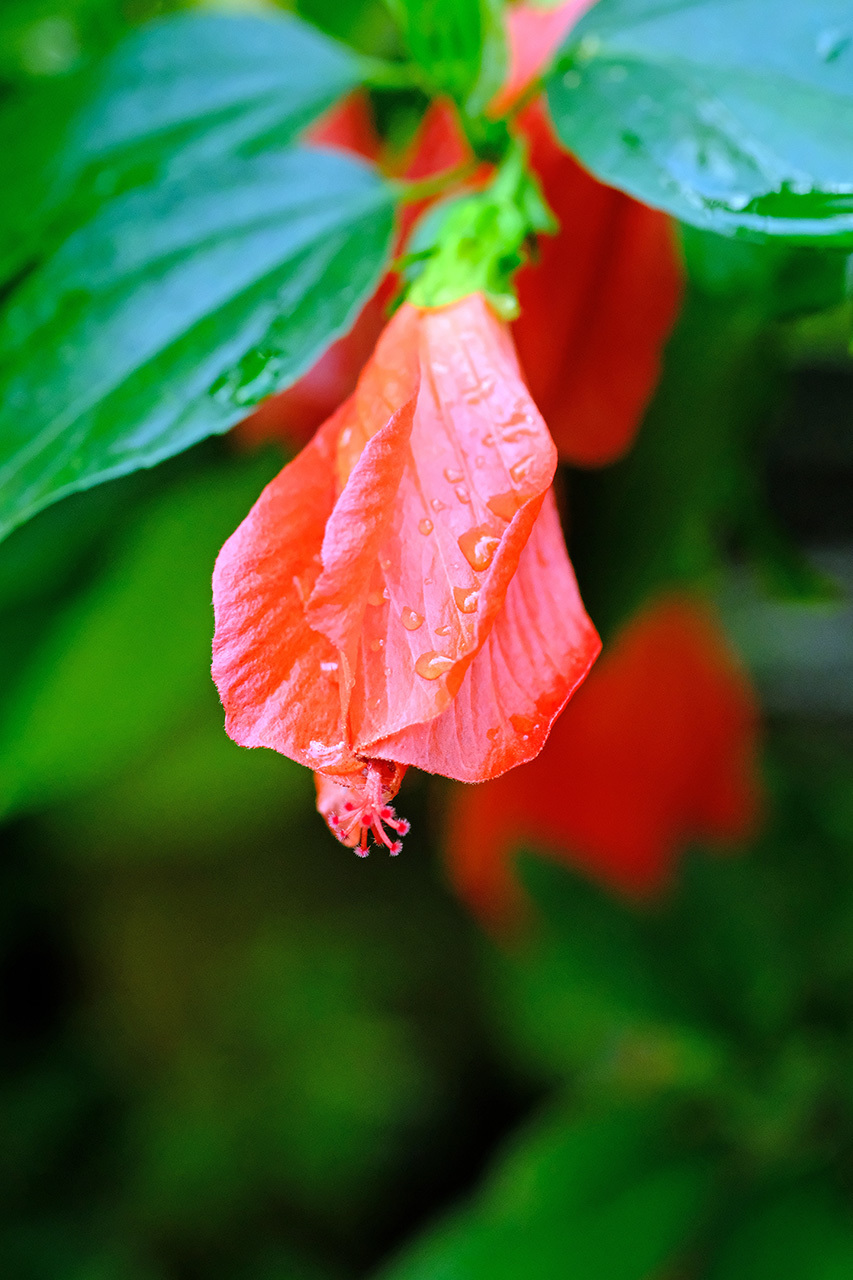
(230, 1051)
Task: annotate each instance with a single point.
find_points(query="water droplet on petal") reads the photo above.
(491, 734)
(505, 505)
(376, 598)
(443, 631)
(432, 665)
(466, 598)
(428, 582)
(521, 468)
(377, 645)
(482, 388)
(462, 493)
(328, 666)
(452, 476)
(425, 526)
(478, 546)
(410, 619)
(386, 563)
(488, 439)
(437, 504)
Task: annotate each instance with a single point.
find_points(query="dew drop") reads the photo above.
(452, 476)
(443, 631)
(505, 505)
(432, 665)
(488, 440)
(410, 619)
(466, 599)
(462, 493)
(521, 468)
(428, 582)
(377, 645)
(478, 546)
(482, 388)
(376, 598)
(386, 564)
(425, 526)
(832, 43)
(491, 734)
(437, 504)
(328, 666)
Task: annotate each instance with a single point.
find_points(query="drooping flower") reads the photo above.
(401, 594)
(658, 748)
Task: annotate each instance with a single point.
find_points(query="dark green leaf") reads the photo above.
(784, 280)
(575, 1199)
(459, 44)
(176, 309)
(589, 993)
(735, 115)
(805, 1234)
(194, 87)
(130, 657)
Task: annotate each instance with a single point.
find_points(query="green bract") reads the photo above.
(480, 241)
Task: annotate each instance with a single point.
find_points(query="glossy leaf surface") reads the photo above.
(175, 309)
(734, 115)
(193, 87)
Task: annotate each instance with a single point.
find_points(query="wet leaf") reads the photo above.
(176, 308)
(734, 115)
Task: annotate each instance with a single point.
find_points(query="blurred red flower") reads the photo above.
(401, 594)
(657, 749)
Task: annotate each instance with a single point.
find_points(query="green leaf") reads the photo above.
(175, 309)
(591, 993)
(130, 657)
(734, 115)
(785, 281)
(803, 1234)
(459, 44)
(576, 1198)
(194, 87)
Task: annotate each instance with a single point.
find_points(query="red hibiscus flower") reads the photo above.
(657, 749)
(400, 594)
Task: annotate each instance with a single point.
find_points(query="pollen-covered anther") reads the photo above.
(368, 817)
